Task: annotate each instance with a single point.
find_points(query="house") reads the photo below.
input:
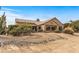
(37, 25)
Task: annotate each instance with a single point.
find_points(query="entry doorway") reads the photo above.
(50, 27)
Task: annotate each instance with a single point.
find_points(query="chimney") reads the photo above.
(38, 19)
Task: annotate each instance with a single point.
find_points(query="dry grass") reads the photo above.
(56, 42)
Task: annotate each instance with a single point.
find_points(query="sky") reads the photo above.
(63, 13)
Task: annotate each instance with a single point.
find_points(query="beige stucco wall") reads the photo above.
(43, 27)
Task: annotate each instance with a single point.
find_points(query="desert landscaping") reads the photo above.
(41, 42)
(39, 36)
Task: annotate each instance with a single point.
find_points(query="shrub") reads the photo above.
(20, 30)
(67, 25)
(73, 24)
(10, 27)
(68, 30)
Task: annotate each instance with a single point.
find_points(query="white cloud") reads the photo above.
(7, 9)
(11, 15)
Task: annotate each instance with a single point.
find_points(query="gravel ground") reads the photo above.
(40, 42)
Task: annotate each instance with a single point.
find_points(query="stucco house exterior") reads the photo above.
(37, 25)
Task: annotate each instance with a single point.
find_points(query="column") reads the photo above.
(57, 28)
(37, 28)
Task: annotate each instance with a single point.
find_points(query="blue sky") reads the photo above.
(63, 13)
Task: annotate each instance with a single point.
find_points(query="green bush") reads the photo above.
(67, 25)
(20, 30)
(69, 30)
(74, 25)
(13, 32)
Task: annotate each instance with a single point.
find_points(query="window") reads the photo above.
(39, 27)
(50, 27)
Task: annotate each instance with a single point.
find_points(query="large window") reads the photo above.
(50, 27)
(34, 28)
(53, 28)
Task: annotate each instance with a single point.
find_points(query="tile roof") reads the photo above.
(36, 22)
(29, 21)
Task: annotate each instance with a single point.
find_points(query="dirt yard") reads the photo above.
(44, 43)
